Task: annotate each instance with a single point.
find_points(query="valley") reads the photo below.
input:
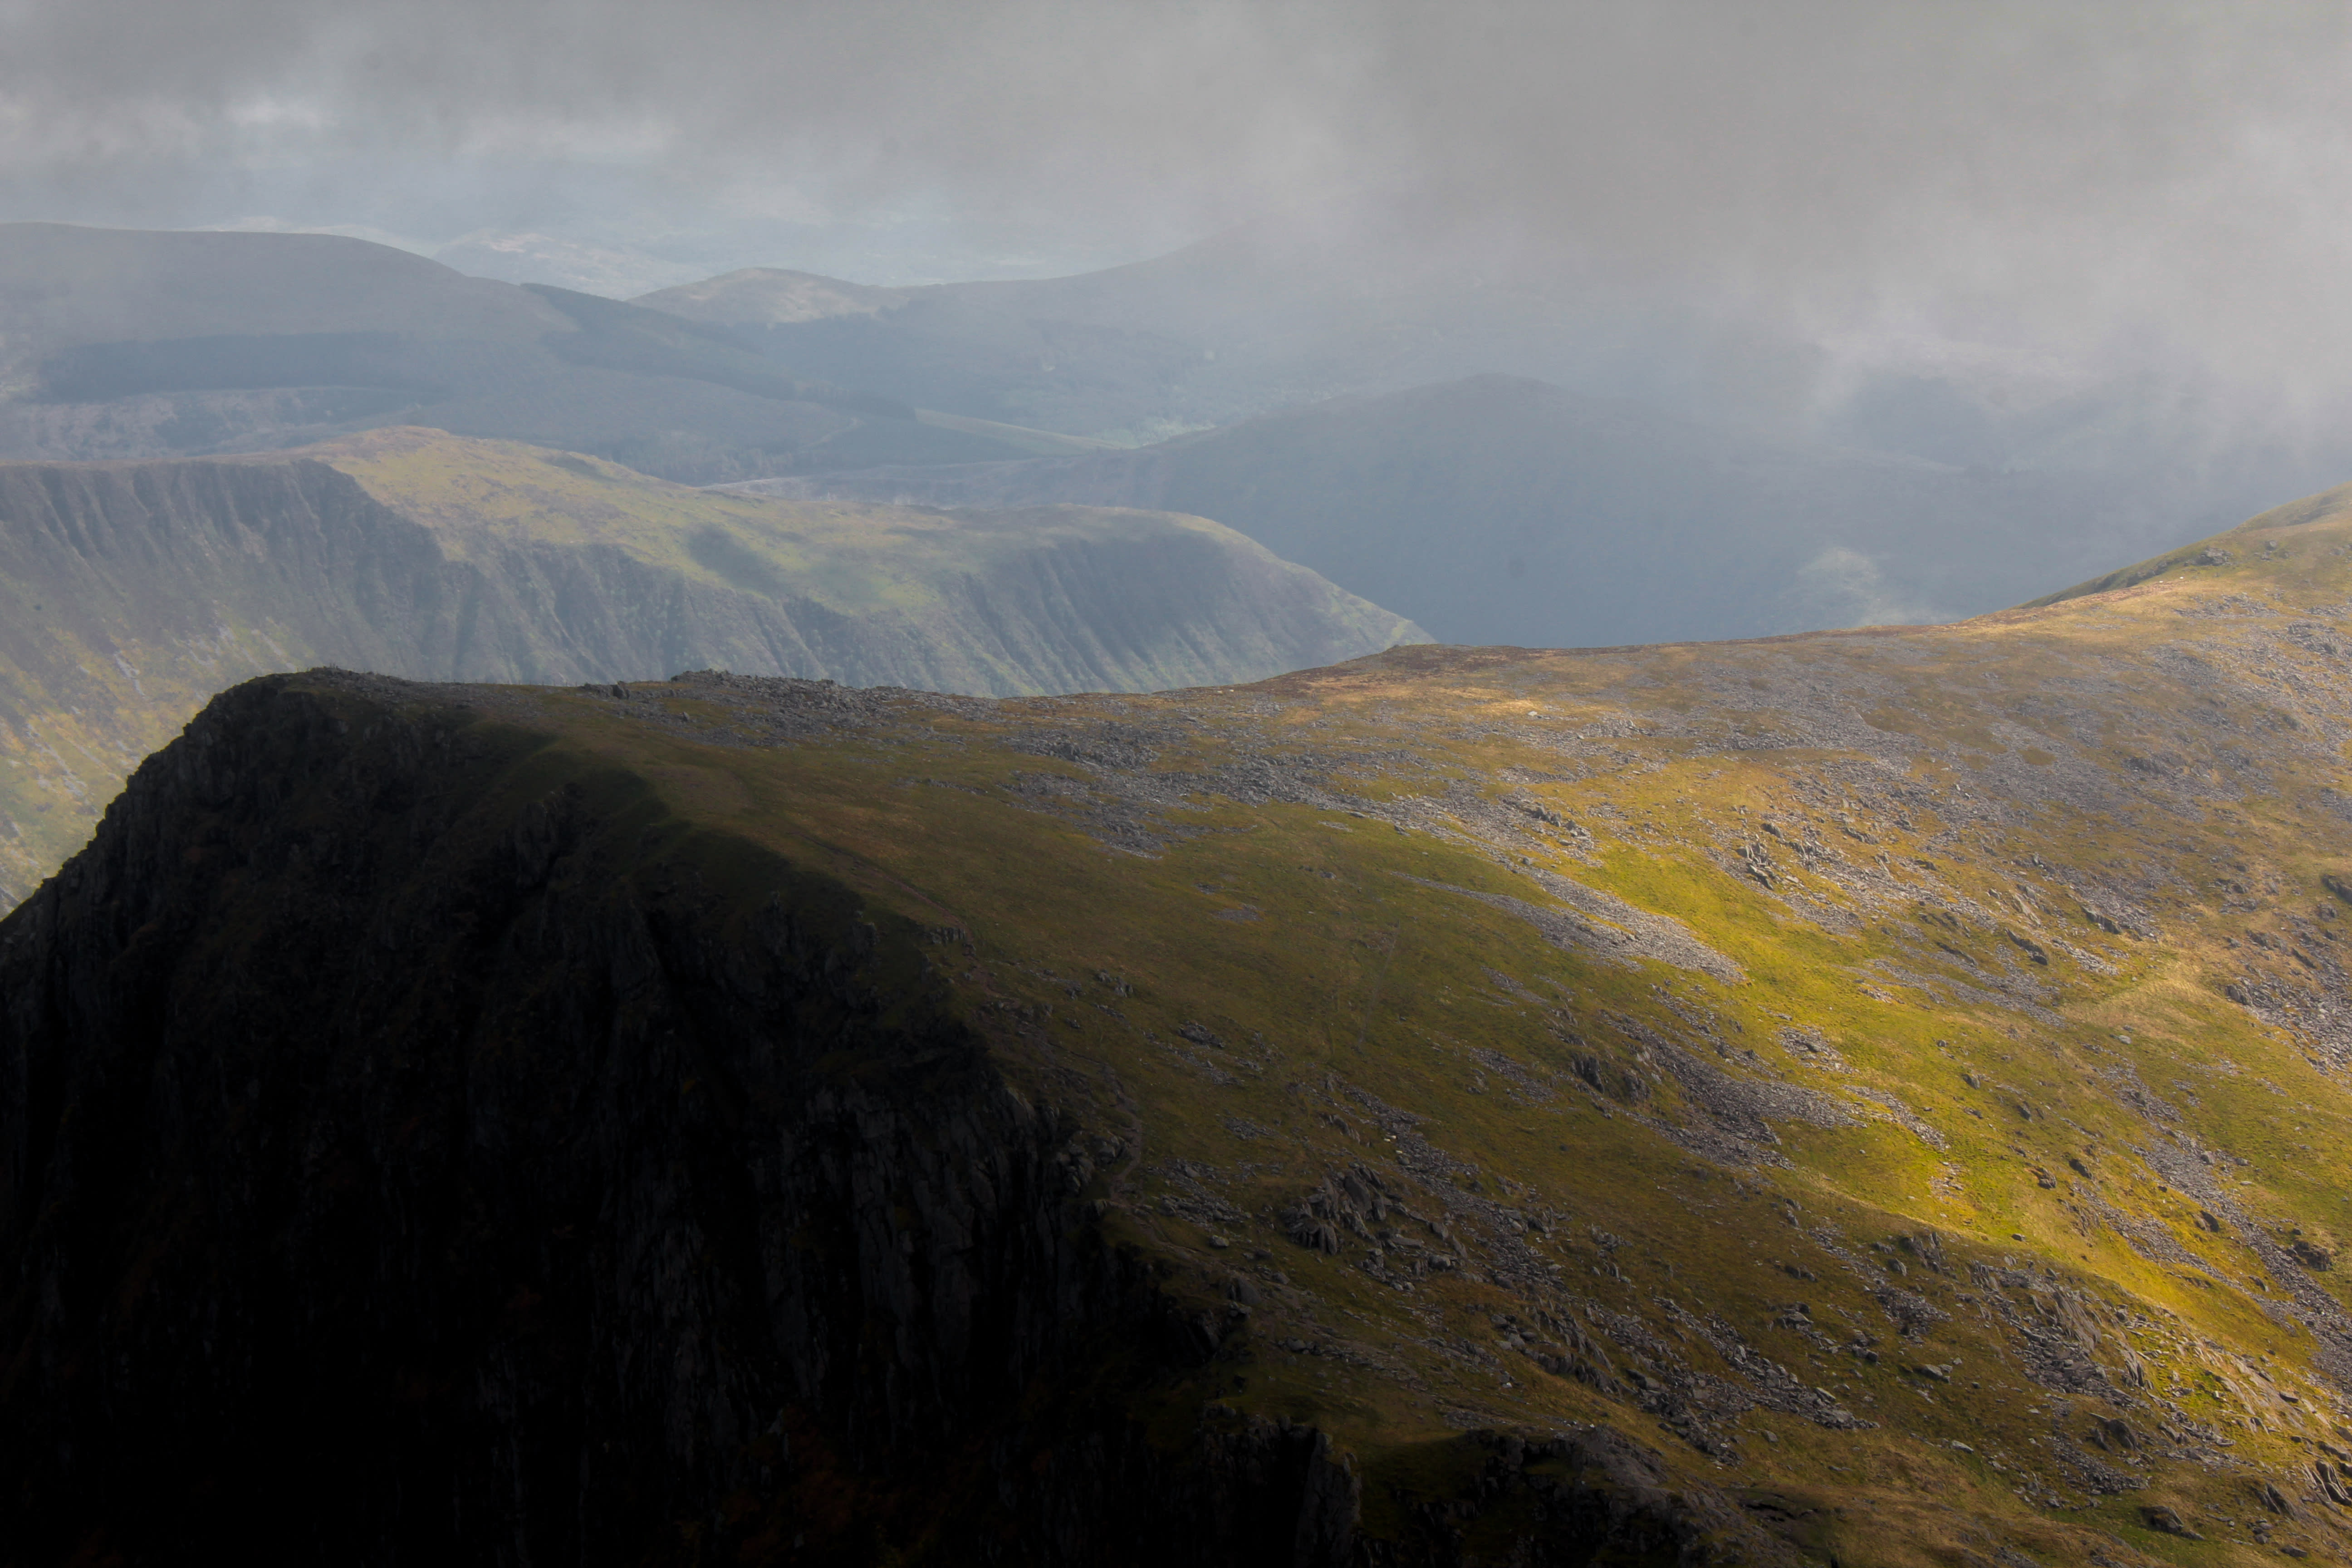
(1501, 509)
(1562, 466)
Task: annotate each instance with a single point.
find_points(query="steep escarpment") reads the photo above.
(538, 1193)
(129, 593)
(425, 1138)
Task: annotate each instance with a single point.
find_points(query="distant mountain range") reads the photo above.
(1264, 317)
(1491, 508)
(118, 343)
(983, 1076)
(1321, 305)
(129, 593)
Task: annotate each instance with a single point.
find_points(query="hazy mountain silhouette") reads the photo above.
(120, 343)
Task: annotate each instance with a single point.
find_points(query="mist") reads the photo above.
(2027, 201)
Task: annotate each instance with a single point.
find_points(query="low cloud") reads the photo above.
(1842, 587)
(2095, 189)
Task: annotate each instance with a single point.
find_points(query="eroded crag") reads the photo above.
(423, 1148)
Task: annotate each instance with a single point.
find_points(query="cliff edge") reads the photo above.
(422, 1141)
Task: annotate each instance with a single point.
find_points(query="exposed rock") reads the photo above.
(431, 1173)
(2115, 1434)
(1602, 923)
(1596, 1495)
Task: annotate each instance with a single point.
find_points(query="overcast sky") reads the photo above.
(2079, 178)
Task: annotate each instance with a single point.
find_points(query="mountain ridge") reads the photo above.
(135, 591)
(1886, 1082)
(971, 1380)
(130, 344)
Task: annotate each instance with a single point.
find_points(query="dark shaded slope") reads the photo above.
(418, 1145)
(1900, 1074)
(534, 1189)
(1502, 510)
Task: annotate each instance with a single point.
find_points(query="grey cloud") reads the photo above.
(2119, 186)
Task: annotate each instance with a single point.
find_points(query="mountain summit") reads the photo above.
(1870, 1097)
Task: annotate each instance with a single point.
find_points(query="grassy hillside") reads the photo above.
(1898, 1074)
(130, 593)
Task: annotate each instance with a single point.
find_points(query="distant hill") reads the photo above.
(129, 593)
(772, 296)
(1372, 298)
(128, 344)
(1220, 331)
(1499, 510)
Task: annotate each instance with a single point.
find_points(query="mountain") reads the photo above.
(771, 295)
(1259, 318)
(129, 593)
(1383, 293)
(1290, 310)
(123, 344)
(1498, 509)
(1870, 1097)
(614, 271)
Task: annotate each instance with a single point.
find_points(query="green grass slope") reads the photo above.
(1901, 1073)
(130, 593)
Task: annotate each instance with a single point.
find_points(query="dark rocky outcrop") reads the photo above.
(1582, 1498)
(418, 1146)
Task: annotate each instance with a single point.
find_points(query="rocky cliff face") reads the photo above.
(419, 1144)
(129, 593)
